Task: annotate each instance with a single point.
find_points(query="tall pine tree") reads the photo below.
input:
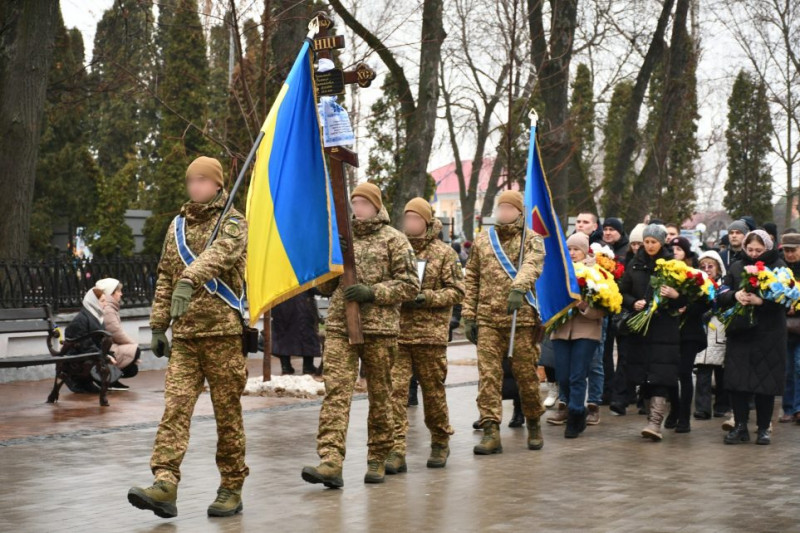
(612, 138)
(123, 112)
(66, 173)
(183, 89)
(581, 123)
(748, 189)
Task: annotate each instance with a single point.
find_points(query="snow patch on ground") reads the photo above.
(303, 386)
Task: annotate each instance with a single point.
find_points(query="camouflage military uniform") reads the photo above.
(487, 289)
(423, 339)
(207, 342)
(385, 262)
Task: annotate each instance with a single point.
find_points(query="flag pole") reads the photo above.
(235, 188)
(534, 122)
(313, 29)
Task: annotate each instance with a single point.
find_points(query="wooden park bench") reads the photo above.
(40, 320)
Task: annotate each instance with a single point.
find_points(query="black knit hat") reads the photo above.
(684, 244)
(615, 223)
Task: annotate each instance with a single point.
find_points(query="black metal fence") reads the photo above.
(62, 281)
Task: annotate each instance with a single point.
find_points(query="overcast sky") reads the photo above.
(720, 58)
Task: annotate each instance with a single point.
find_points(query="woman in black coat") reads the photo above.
(88, 320)
(693, 341)
(295, 332)
(755, 356)
(653, 358)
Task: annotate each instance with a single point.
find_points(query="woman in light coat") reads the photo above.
(709, 361)
(125, 350)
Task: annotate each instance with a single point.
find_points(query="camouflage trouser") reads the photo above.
(220, 361)
(429, 364)
(341, 372)
(492, 348)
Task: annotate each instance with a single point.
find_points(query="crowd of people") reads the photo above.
(686, 357)
(408, 284)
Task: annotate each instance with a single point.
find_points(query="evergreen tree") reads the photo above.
(612, 138)
(184, 90)
(218, 88)
(123, 111)
(748, 189)
(582, 117)
(66, 173)
(109, 233)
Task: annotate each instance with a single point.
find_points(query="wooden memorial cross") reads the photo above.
(331, 83)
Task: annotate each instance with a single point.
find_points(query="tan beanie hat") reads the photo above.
(580, 241)
(208, 167)
(511, 197)
(371, 192)
(421, 207)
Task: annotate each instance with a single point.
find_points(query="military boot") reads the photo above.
(396, 463)
(161, 498)
(327, 473)
(535, 439)
(375, 472)
(439, 455)
(228, 502)
(490, 443)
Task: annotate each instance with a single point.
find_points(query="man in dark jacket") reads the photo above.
(614, 235)
(587, 223)
(790, 242)
(736, 232)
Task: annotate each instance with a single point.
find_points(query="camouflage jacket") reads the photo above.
(488, 285)
(442, 285)
(386, 263)
(208, 315)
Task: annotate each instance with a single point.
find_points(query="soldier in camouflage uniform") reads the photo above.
(424, 329)
(207, 343)
(491, 297)
(387, 276)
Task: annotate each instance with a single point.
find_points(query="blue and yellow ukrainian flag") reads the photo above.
(557, 288)
(293, 240)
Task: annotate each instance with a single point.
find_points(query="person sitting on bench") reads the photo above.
(88, 319)
(125, 350)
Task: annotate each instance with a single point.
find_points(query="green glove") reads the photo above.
(417, 303)
(159, 343)
(359, 293)
(471, 330)
(515, 299)
(181, 297)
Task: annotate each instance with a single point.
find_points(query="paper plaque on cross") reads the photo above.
(336, 128)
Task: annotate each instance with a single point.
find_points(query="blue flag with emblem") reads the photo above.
(557, 288)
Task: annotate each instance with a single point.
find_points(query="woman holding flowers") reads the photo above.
(693, 341)
(709, 362)
(755, 355)
(577, 339)
(654, 351)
